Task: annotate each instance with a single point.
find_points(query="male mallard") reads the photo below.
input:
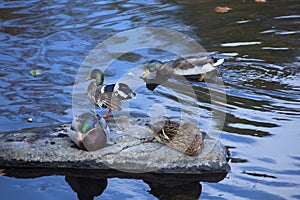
(184, 137)
(192, 65)
(108, 96)
(89, 133)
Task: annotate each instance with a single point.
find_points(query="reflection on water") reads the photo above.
(260, 42)
(86, 188)
(90, 184)
(184, 191)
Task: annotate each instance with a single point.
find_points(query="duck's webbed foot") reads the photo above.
(107, 114)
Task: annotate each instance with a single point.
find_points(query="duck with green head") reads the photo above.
(107, 96)
(189, 66)
(89, 133)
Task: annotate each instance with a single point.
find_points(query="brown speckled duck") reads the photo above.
(189, 66)
(182, 136)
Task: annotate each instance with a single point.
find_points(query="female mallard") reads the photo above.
(89, 133)
(184, 137)
(107, 96)
(192, 65)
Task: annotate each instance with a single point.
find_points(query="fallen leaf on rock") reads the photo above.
(221, 9)
(2, 172)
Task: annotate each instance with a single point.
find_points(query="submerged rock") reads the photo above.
(133, 150)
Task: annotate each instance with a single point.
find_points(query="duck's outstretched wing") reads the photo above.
(123, 92)
(105, 97)
(109, 100)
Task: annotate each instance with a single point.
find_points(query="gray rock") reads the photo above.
(132, 151)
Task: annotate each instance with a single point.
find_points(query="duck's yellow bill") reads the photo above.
(146, 74)
(88, 78)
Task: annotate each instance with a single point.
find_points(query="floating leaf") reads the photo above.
(35, 72)
(2, 172)
(186, 27)
(220, 9)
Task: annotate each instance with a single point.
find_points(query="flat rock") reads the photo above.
(133, 151)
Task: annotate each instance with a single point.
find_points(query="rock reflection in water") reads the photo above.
(86, 188)
(89, 184)
(185, 191)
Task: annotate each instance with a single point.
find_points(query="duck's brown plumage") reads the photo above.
(190, 62)
(107, 96)
(185, 137)
(188, 66)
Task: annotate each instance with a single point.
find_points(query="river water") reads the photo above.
(260, 45)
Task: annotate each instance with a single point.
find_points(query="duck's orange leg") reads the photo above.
(201, 78)
(107, 114)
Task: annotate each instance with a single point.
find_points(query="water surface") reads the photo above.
(260, 42)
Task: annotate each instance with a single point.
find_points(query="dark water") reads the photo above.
(260, 42)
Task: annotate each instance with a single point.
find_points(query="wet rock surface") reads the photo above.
(132, 151)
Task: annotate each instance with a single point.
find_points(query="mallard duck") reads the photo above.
(184, 137)
(89, 133)
(107, 96)
(192, 65)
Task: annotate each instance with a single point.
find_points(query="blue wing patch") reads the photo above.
(109, 88)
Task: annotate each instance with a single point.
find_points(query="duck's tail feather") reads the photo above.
(217, 62)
